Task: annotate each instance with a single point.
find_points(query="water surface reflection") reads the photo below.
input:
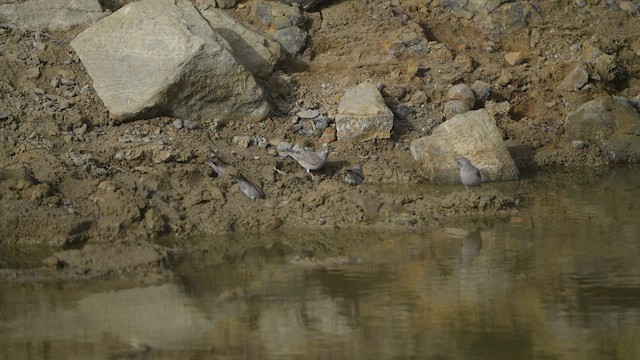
(560, 280)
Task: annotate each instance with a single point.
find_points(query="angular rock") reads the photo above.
(278, 15)
(189, 72)
(610, 123)
(51, 14)
(252, 49)
(363, 115)
(462, 92)
(292, 39)
(473, 135)
(481, 91)
(575, 79)
(502, 16)
(455, 107)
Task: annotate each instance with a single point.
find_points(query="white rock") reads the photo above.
(51, 14)
(252, 49)
(189, 72)
(474, 135)
(363, 115)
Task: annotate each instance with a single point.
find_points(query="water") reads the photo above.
(560, 280)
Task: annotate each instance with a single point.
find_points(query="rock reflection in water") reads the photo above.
(559, 280)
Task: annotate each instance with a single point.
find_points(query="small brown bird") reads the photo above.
(469, 174)
(309, 159)
(355, 176)
(248, 188)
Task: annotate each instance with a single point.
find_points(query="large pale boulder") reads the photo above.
(51, 14)
(363, 115)
(161, 57)
(252, 49)
(612, 123)
(474, 135)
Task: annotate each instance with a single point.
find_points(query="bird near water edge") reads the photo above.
(469, 174)
(247, 187)
(354, 176)
(309, 159)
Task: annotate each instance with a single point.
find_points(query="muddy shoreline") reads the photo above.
(75, 185)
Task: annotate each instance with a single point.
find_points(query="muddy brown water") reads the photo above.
(559, 280)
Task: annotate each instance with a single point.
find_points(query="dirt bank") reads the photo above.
(70, 177)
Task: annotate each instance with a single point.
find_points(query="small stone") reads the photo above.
(576, 79)
(178, 124)
(578, 144)
(119, 156)
(262, 142)
(32, 73)
(292, 39)
(463, 93)
(628, 6)
(581, 3)
(418, 98)
(55, 83)
(321, 123)
(328, 136)
(514, 58)
(67, 74)
(244, 141)
(481, 91)
(308, 114)
(163, 156)
(189, 124)
(283, 146)
(612, 5)
(67, 82)
(81, 130)
(455, 107)
(402, 111)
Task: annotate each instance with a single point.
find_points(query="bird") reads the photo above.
(217, 167)
(251, 190)
(354, 176)
(248, 188)
(309, 159)
(469, 174)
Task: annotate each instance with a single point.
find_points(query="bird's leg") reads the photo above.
(312, 176)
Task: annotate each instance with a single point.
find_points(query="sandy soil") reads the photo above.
(70, 178)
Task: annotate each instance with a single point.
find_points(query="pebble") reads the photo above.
(119, 156)
(308, 114)
(244, 141)
(178, 124)
(581, 3)
(481, 91)
(463, 93)
(328, 136)
(81, 130)
(321, 122)
(578, 144)
(67, 82)
(283, 146)
(454, 107)
(189, 124)
(628, 6)
(55, 83)
(262, 142)
(514, 58)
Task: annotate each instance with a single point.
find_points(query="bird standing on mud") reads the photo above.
(248, 188)
(469, 174)
(355, 176)
(309, 159)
